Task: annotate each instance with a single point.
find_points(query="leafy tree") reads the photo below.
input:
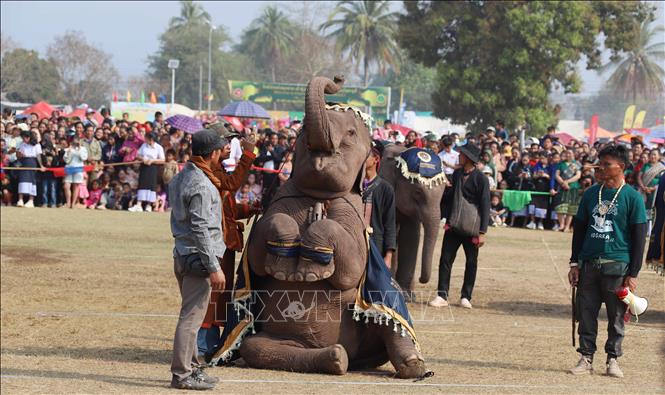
(28, 78)
(501, 59)
(86, 73)
(6, 44)
(189, 44)
(364, 30)
(417, 81)
(269, 38)
(637, 72)
(186, 39)
(191, 14)
(611, 108)
(312, 55)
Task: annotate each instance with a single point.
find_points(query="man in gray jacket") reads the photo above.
(196, 224)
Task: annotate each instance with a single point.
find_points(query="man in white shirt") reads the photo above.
(236, 153)
(449, 157)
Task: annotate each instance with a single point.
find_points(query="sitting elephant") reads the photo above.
(311, 245)
(419, 181)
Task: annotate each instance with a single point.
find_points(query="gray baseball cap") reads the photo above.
(205, 141)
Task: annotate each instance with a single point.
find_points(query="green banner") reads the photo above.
(373, 98)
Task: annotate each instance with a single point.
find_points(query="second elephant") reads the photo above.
(418, 180)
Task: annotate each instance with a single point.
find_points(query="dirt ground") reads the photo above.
(89, 305)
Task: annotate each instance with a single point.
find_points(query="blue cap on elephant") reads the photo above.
(422, 166)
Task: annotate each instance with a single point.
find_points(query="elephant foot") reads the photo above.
(280, 268)
(334, 360)
(264, 352)
(412, 367)
(403, 354)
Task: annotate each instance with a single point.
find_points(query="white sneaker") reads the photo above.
(464, 302)
(584, 366)
(438, 302)
(148, 208)
(19, 203)
(555, 228)
(540, 226)
(136, 209)
(613, 369)
(531, 225)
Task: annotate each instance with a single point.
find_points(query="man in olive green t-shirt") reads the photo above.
(607, 253)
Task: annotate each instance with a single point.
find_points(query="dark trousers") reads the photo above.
(594, 289)
(451, 243)
(49, 191)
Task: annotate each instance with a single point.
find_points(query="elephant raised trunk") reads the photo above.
(317, 125)
(431, 226)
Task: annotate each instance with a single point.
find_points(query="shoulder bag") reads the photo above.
(464, 219)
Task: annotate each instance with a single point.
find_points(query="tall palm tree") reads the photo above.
(365, 30)
(638, 72)
(269, 37)
(191, 14)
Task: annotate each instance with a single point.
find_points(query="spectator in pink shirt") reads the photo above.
(383, 133)
(94, 195)
(131, 145)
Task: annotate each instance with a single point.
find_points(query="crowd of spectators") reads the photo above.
(105, 162)
(97, 174)
(555, 174)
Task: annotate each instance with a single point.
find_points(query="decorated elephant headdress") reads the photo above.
(422, 166)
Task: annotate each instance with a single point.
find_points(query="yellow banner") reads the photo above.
(628, 118)
(639, 120)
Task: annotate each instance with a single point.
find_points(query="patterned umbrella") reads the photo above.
(657, 132)
(244, 109)
(185, 123)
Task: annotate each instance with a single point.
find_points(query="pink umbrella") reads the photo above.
(237, 124)
(564, 137)
(401, 128)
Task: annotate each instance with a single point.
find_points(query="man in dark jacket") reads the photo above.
(270, 157)
(379, 206)
(475, 189)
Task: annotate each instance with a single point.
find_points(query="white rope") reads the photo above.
(565, 284)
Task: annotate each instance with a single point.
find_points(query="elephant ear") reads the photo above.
(388, 163)
(358, 184)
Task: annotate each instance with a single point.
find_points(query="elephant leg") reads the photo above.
(402, 352)
(263, 352)
(408, 240)
(275, 230)
(347, 265)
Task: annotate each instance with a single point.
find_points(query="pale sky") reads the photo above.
(130, 30)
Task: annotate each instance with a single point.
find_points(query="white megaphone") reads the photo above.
(636, 305)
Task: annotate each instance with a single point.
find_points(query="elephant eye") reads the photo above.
(351, 132)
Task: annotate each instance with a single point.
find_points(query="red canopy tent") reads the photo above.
(80, 113)
(42, 109)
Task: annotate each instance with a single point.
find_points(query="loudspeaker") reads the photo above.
(636, 305)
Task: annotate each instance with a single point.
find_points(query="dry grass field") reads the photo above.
(89, 305)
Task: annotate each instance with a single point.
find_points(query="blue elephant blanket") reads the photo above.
(422, 166)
